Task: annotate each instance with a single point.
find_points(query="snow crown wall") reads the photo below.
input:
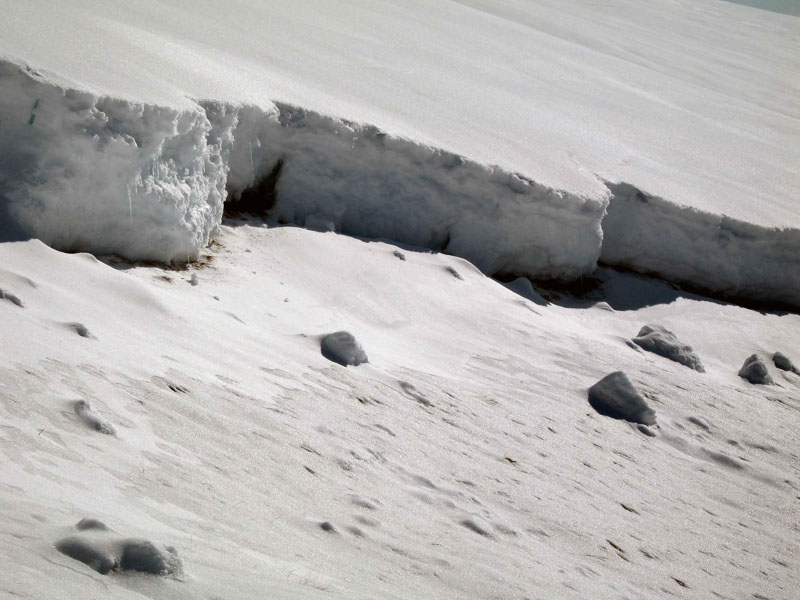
(357, 180)
(84, 172)
(725, 257)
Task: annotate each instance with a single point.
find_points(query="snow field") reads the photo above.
(463, 461)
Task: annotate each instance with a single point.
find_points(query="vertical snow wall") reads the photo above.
(86, 172)
(83, 172)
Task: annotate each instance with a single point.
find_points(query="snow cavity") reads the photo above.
(86, 172)
(716, 254)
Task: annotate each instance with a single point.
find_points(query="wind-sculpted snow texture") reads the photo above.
(85, 172)
(726, 257)
(661, 341)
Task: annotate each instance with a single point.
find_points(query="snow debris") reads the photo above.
(783, 363)
(342, 348)
(661, 341)
(105, 552)
(755, 371)
(614, 396)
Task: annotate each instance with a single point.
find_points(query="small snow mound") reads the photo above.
(90, 418)
(614, 396)
(523, 287)
(661, 341)
(783, 363)
(755, 371)
(342, 348)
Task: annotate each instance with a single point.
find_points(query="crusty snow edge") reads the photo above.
(357, 180)
(87, 172)
(716, 254)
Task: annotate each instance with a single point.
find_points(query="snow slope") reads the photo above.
(463, 461)
(488, 129)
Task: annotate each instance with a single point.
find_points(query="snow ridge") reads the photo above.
(87, 172)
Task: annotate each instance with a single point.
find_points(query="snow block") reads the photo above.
(661, 341)
(755, 371)
(86, 172)
(719, 255)
(614, 396)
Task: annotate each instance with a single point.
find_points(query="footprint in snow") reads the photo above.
(103, 550)
(80, 329)
(453, 272)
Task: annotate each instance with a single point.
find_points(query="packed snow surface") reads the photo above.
(462, 461)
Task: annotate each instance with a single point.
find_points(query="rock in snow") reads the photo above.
(614, 396)
(755, 371)
(342, 348)
(661, 341)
